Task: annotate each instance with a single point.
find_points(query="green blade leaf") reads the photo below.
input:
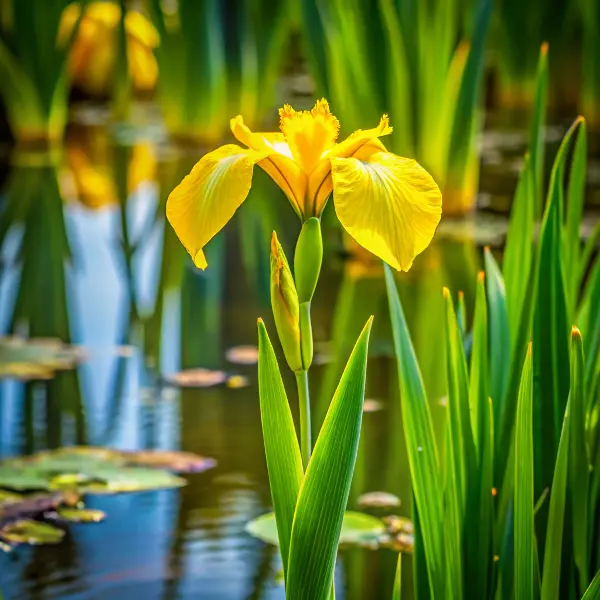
(420, 442)
(499, 334)
(554, 536)
(550, 328)
(536, 130)
(284, 462)
(518, 253)
(397, 591)
(324, 493)
(575, 202)
(593, 592)
(524, 526)
(579, 470)
(458, 403)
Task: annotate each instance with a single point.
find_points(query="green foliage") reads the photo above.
(216, 60)
(33, 67)
(310, 509)
(406, 56)
(532, 489)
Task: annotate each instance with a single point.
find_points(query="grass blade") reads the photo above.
(550, 329)
(397, 592)
(593, 592)
(579, 470)
(518, 253)
(499, 334)
(524, 526)
(284, 462)
(536, 131)
(554, 536)
(420, 442)
(324, 493)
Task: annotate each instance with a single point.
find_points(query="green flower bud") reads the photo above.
(284, 301)
(308, 259)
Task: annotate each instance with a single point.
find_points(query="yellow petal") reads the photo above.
(357, 140)
(361, 143)
(309, 133)
(278, 163)
(390, 205)
(200, 206)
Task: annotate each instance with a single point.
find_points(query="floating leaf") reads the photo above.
(170, 460)
(371, 406)
(26, 531)
(242, 355)
(196, 378)
(81, 515)
(235, 382)
(378, 500)
(36, 358)
(357, 529)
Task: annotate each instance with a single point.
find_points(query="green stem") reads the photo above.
(304, 400)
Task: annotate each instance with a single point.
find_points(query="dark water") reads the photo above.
(86, 257)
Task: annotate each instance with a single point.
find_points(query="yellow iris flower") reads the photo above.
(390, 205)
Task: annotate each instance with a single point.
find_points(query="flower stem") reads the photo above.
(304, 401)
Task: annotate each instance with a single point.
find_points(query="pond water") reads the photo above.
(86, 258)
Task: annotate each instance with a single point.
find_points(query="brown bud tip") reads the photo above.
(274, 242)
(259, 321)
(486, 249)
(529, 348)
(481, 276)
(446, 292)
(461, 295)
(580, 120)
(575, 331)
(544, 48)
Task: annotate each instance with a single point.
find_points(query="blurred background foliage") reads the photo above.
(433, 65)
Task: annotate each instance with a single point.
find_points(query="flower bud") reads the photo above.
(284, 301)
(308, 258)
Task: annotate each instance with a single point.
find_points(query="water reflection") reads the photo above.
(87, 258)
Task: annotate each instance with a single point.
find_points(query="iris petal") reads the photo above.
(200, 206)
(278, 164)
(390, 205)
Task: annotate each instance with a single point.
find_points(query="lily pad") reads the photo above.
(196, 378)
(378, 500)
(26, 531)
(171, 460)
(99, 470)
(242, 355)
(235, 382)
(36, 358)
(358, 529)
(81, 515)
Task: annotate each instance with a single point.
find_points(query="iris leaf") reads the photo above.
(324, 493)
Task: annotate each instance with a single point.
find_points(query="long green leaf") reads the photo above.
(593, 592)
(284, 462)
(536, 128)
(550, 330)
(420, 442)
(554, 536)
(324, 492)
(499, 334)
(579, 469)
(575, 203)
(397, 591)
(517, 263)
(524, 526)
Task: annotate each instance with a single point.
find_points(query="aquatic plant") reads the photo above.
(35, 81)
(406, 58)
(216, 58)
(522, 415)
(310, 486)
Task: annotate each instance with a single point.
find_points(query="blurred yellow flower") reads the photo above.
(94, 52)
(390, 205)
